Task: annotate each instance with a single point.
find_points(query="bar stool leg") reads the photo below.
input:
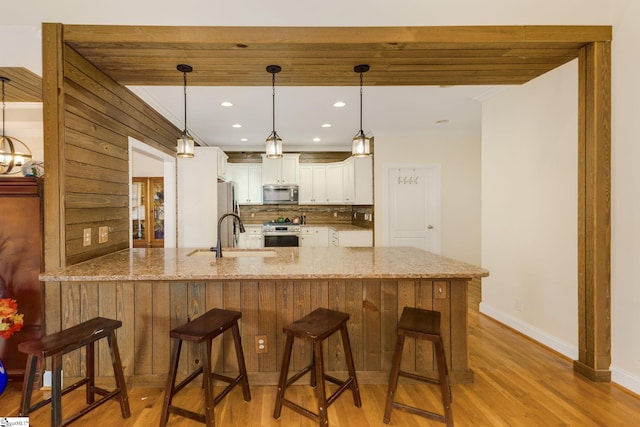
(282, 382)
(209, 404)
(312, 377)
(445, 389)
(241, 365)
(355, 390)
(393, 378)
(90, 374)
(27, 391)
(119, 374)
(171, 382)
(321, 394)
(56, 390)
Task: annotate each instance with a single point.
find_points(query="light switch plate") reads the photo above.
(86, 237)
(103, 234)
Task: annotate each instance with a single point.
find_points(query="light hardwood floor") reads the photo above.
(517, 383)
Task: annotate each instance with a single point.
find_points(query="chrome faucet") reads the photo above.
(219, 243)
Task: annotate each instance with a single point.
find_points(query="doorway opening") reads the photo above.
(167, 164)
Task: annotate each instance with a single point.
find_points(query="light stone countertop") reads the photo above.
(288, 263)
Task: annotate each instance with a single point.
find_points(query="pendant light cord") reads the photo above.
(273, 102)
(184, 74)
(361, 90)
(3, 104)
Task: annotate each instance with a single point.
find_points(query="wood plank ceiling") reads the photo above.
(325, 56)
(25, 86)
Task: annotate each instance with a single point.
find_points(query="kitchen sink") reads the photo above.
(234, 253)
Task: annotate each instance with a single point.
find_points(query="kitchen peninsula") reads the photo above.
(154, 290)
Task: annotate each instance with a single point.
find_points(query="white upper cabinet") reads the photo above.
(358, 181)
(247, 179)
(313, 184)
(284, 170)
(335, 190)
(222, 165)
(348, 184)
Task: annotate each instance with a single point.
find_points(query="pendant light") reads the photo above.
(186, 145)
(360, 147)
(274, 142)
(13, 152)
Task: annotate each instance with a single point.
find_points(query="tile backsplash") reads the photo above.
(315, 214)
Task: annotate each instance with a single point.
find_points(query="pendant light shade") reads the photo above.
(13, 152)
(360, 146)
(274, 142)
(185, 145)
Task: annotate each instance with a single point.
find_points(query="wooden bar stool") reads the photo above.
(203, 330)
(55, 346)
(316, 327)
(425, 325)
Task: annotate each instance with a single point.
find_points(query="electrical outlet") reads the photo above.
(46, 380)
(261, 344)
(335, 214)
(103, 234)
(86, 237)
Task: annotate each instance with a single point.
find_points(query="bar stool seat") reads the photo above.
(203, 330)
(425, 325)
(316, 327)
(55, 346)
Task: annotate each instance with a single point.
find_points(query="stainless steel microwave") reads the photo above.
(280, 194)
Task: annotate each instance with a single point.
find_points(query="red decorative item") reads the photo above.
(10, 320)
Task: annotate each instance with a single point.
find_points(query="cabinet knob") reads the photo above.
(429, 227)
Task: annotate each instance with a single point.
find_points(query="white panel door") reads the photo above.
(414, 207)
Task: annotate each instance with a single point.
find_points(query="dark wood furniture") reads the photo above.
(424, 325)
(203, 330)
(147, 201)
(20, 263)
(55, 346)
(316, 327)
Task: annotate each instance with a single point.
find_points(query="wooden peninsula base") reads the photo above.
(150, 305)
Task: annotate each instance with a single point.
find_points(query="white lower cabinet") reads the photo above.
(314, 236)
(251, 238)
(350, 238)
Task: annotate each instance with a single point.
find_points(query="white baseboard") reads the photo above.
(618, 376)
(625, 379)
(567, 349)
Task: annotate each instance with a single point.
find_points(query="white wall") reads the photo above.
(625, 205)
(459, 158)
(529, 208)
(198, 199)
(145, 165)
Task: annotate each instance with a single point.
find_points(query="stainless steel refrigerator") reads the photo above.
(227, 203)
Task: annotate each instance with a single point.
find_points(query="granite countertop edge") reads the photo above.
(146, 265)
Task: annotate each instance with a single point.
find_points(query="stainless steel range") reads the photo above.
(280, 234)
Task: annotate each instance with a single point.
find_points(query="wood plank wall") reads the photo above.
(305, 156)
(90, 134)
(149, 310)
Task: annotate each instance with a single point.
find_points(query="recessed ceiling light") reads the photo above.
(339, 104)
(326, 125)
(316, 139)
(236, 125)
(226, 104)
(243, 139)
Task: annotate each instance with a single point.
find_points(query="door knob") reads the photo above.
(429, 227)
